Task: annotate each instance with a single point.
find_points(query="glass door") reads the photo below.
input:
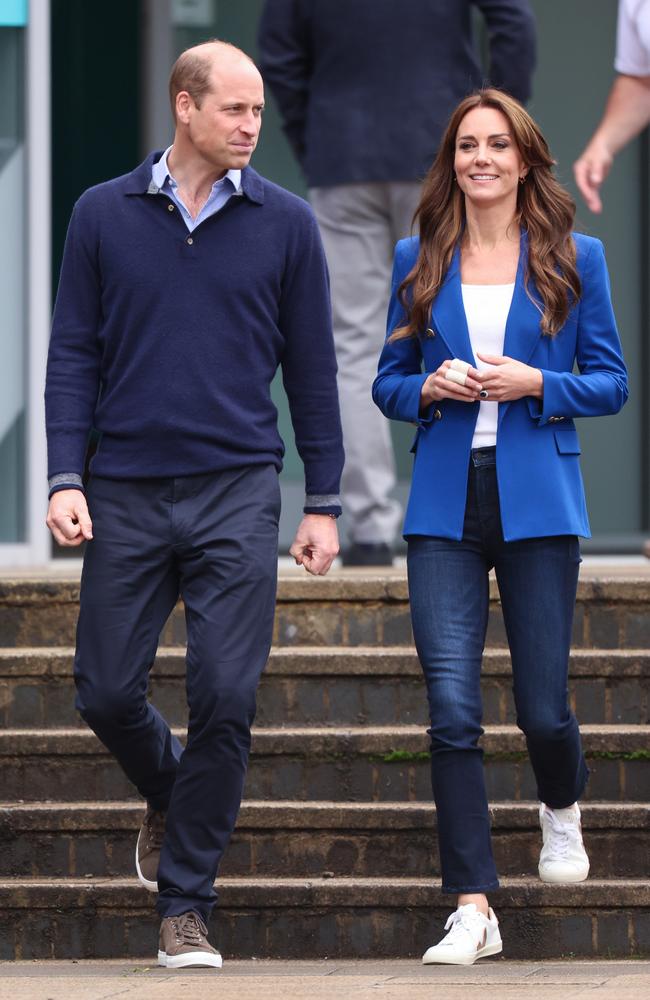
(12, 287)
(24, 278)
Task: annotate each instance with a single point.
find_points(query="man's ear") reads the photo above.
(184, 105)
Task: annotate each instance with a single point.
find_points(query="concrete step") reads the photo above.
(369, 763)
(311, 839)
(348, 610)
(317, 918)
(335, 686)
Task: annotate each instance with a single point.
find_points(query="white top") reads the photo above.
(633, 38)
(486, 311)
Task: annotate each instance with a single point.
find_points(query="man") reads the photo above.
(184, 284)
(627, 111)
(365, 90)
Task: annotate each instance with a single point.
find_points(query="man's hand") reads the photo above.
(591, 170)
(68, 518)
(510, 379)
(627, 113)
(316, 544)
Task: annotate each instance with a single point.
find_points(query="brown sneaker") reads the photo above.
(184, 943)
(147, 849)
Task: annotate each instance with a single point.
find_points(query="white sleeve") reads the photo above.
(633, 38)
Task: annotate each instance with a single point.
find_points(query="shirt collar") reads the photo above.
(140, 182)
(160, 173)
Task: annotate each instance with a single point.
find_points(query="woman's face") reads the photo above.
(487, 160)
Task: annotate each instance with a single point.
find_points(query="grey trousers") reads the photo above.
(360, 224)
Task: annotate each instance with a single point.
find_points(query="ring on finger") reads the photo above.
(455, 376)
(483, 394)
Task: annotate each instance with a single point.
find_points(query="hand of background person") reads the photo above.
(316, 544)
(510, 379)
(590, 170)
(68, 518)
(438, 387)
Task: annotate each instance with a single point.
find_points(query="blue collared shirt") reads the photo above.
(221, 191)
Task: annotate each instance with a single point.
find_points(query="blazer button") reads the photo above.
(430, 332)
(437, 415)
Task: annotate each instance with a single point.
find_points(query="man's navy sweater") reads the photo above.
(167, 342)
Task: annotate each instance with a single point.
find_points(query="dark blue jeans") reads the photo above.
(449, 594)
(213, 540)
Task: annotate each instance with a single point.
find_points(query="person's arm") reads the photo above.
(513, 45)
(285, 64)
(397, 389)
(72, 380)
(627, 113)
(601, 387)
(309, 377)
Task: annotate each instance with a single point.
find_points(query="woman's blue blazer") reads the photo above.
(538, 468)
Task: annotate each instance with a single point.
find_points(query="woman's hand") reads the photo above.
(510, 379)
(438, 387)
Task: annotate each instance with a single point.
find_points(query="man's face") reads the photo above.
(225, 128)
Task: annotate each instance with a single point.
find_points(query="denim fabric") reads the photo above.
(449, 594)
(212, 539)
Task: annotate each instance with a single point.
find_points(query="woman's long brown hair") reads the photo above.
(544, 210)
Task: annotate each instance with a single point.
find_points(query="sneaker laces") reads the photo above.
(463, 921)
(155, 823)
(189, 929)
(561, 836)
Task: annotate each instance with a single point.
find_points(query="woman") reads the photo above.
(491, 308)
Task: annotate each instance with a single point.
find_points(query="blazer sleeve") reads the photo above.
(285, 64)
(601, 387)
(396, 389)
(513, 45)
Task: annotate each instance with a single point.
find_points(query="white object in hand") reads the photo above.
(455, 376)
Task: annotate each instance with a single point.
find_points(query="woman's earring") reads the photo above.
(522, 179)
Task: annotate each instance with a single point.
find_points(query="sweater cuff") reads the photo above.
(322, 503)
(64, 481)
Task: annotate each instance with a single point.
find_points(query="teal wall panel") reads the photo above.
(95, 101)
(575, 72)
(13, 13)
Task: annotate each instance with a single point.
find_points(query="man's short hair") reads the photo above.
(192, 69)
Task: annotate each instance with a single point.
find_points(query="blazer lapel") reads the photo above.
(448, 314)
(523, 324)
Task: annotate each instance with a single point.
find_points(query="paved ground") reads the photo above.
(327, 980)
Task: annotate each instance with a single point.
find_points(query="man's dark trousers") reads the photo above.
(212, 539)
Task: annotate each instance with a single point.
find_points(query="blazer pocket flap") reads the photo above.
(567, 441)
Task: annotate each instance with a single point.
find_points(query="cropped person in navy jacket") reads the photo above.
(492, 308)
(364, 90)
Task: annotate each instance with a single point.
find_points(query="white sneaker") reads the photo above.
(563, 857)
(471, 936)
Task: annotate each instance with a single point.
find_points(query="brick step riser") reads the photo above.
(336, 778)
(317, 933)
(599, 624)
(311, 853)
(326, 700)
